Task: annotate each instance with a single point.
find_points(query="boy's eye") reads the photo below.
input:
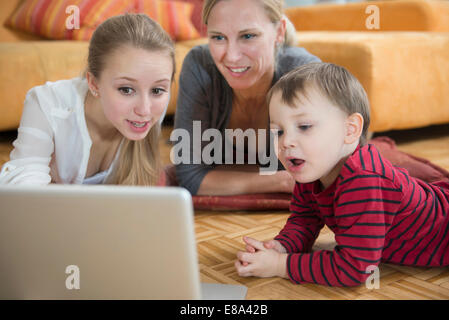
(304, 127)
(126, 90)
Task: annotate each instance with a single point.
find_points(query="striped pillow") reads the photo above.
(47, 18)
(197, 14)
(173, 16)
(99, 12)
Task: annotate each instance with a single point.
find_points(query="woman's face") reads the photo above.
(242, 41)
(134, 89)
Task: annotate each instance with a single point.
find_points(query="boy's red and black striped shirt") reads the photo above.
(378, 214)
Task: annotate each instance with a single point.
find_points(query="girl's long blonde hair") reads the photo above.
(139, 161)
(275, 12)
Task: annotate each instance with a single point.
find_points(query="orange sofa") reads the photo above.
(405, 73)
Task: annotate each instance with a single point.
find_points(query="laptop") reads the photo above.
(101, 242)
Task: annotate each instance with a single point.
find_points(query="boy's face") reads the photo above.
(311, 136)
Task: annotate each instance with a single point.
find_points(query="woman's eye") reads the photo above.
(218, 38)
(158, 91)
(126, 90)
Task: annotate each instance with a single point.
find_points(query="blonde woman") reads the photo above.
(223, 85)
(104, 127)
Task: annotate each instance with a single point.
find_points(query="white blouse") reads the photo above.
(53, 143)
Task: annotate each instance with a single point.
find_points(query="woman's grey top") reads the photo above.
(204, 95)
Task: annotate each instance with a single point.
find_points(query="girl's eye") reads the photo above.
(277, 132)
(158, 91)
(126, 90)
(248, 36)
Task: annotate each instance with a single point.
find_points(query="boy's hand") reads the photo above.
(276, 245)
(261, 261)
(270, 244)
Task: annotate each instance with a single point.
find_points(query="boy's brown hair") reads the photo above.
(336, 83)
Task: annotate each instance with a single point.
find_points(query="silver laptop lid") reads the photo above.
(97, 242)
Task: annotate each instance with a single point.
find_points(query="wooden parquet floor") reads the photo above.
(219, 237)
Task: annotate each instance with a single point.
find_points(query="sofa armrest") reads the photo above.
(405, 74)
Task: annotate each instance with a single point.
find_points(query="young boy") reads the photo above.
(378, 213)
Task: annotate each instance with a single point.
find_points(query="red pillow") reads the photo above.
(259, 201)
(417, 167)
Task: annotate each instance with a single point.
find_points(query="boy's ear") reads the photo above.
(92, 83)
(354, 128)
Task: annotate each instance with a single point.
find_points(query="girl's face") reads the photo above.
(242, 41)
(134, 89)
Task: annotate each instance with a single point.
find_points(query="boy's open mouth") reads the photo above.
(294, 163)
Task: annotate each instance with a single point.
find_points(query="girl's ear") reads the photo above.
(354, 128)
(92, 83)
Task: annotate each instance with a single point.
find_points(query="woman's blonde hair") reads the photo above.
(138, 161)
(274, 11)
